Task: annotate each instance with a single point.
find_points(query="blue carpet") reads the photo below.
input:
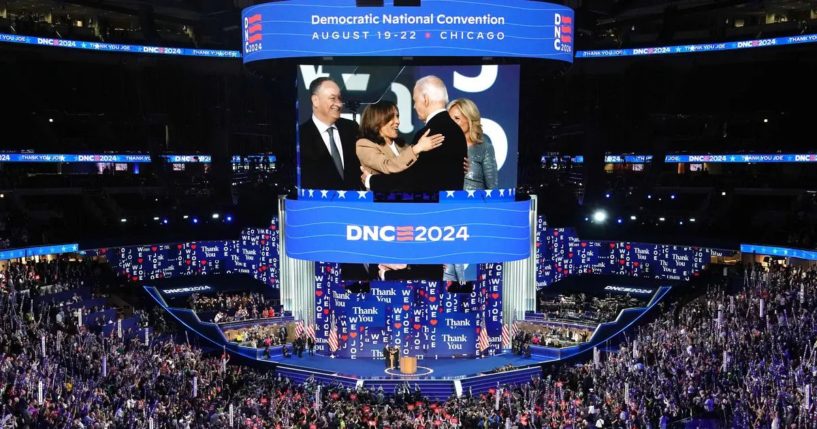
(443, 368)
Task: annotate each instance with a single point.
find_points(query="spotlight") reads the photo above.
(723, 193)
(123, 220)
(672, 196)
(185, 217)
(195, 220)
(156, 218)
(50, 120)
(633, 217)
(2, 195)
(607, 195)
(765, 120)
(680, 222)
(649, 196)
(164, 221)
(662, 218)
(216, 215)
(599, 216)
(619, 221)
(228, 218)
(692, 220)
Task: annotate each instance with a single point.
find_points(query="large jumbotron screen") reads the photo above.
(425, 215)
(494, 89)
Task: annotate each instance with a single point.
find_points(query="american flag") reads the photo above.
(309, 330)
(506, 335)
(304, 329)
(333, 336)
(483, 337)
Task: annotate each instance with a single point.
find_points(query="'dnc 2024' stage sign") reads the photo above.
(415, 233)
(435, 28)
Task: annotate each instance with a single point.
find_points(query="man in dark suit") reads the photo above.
(387, 355)
(327, 142)
(436, 170)
(327, 152)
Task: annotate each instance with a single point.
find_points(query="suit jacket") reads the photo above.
(317, 167)
(436, 170)
(381, 159)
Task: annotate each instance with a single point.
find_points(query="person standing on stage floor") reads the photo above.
(327, 141)
(282, 334)
(387, 355)
(310, 343)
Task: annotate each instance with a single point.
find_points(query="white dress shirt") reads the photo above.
(322, 127)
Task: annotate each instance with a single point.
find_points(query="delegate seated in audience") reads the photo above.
(230, 307)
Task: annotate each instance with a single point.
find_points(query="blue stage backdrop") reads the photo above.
(254, 253)
(560, 253)
(419, 316)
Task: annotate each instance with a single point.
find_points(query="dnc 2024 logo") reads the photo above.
(562, 33)
(253, 33)
(406, 233)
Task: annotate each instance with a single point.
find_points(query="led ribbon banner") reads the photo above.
(728, 158)
(788, 252)
(414, 233)
(38, 251)
(440, 28)
(73, 157)
(699, 48)
(116, 47)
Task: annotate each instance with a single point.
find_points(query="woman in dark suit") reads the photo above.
(379, 148)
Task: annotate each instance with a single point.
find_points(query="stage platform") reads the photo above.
(427, 368)
(438, 379)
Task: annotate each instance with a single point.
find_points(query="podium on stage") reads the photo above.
(408, 365)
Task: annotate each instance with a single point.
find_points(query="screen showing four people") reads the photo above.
(407, 133)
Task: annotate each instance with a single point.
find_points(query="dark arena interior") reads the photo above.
(216, 214)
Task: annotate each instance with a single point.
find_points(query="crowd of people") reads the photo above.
(232, 307)
(742, 358)
(552, 334)
(584, 308)
(45, 277)
(257, 335)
